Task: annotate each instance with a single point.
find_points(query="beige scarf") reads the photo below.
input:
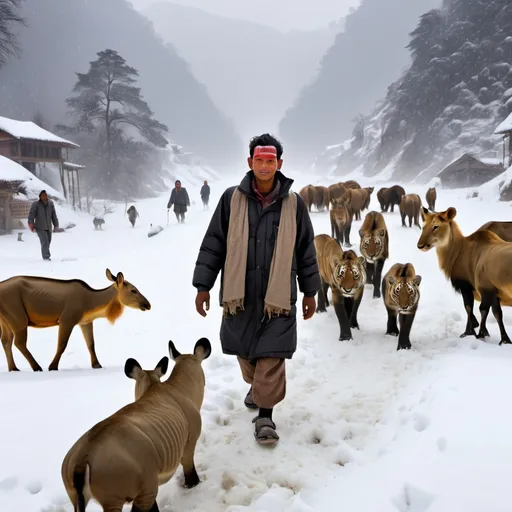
(277, 298)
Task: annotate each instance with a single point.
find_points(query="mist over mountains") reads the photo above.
(252, 72)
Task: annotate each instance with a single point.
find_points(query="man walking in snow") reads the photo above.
(40, 218)
(205, 194)
(179, 198)
(261, 238)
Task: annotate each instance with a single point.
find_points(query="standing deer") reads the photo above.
(29, 301)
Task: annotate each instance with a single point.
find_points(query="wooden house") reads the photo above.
(505, 129)
(28, 144)
(468, 171)
(18, 188)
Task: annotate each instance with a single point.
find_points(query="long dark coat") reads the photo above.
(180, 200)
(248, 334)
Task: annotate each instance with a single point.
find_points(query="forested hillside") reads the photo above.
(366, 57)
(457, 90)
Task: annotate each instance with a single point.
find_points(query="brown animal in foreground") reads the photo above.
(410, 206)
(504, 230)
(341, 221)
(374, 247)
(478, 266)
(127, 456)
(321, 197)
(28, 301)
(352, 184)
(356, 198)
(307, 194)
(345, 274)
(336, 191)
(401, 293)
(390, 197)
(368, 199)
(431, 197)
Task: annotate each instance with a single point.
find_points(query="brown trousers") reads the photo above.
(267, 376)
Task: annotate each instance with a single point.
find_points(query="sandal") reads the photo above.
(265, 431)
(249, 402)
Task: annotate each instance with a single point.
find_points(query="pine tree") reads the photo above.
(109, 106)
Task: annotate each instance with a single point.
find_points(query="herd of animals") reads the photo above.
(163, 424)
(477, 265)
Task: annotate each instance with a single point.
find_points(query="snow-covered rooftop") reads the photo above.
(30, 130)
(12, 171)
(505, 126)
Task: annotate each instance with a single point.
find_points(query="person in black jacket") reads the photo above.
(262, 343)
(205, 194)
(179, 198)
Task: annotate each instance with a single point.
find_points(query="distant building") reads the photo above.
(28, 144)
(469, 171)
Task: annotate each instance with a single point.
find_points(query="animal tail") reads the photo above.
(80, 476)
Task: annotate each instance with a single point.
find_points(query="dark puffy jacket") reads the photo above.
(180, 200)
(247, 333)
(43, 215)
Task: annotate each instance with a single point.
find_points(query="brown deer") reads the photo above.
(29, 301)
(478, 267)
(127, 456)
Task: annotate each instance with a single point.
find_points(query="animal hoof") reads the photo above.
(375, 296)
(346, 337)
(506, 342)
(321, 310)
(14, 369)
(392, 333)
(96, 366)
(355, 326)
(404, 347)
(464, 334)
(37, 369)
(191, 481)
(53, 368)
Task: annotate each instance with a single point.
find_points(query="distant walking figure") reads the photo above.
(179, 198)
(40, 219)
(205, 194)
(132, 215)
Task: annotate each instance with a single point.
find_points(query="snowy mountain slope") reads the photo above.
(450, 101)
(357, 415)
(365, 58)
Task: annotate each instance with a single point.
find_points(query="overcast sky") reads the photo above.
(280, 14)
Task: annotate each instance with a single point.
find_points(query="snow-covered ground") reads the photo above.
(363, 428)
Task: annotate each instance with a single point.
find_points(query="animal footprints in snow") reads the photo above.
(8, 484)
(421, 422)
(442, 444)
(413, 499)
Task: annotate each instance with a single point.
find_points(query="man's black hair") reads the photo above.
(266, 140)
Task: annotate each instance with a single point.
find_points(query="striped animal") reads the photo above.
(401, 293)
(124, 458)
(345, 274)
(374, 248)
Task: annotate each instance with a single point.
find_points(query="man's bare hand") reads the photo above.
(308, 307)
(202, 299)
